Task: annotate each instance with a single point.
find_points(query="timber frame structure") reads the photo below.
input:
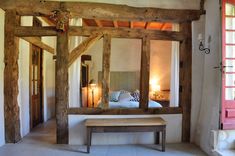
(16, 8)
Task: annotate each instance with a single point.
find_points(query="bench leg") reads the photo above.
(163, 140)
(157, 137)
(89, 134)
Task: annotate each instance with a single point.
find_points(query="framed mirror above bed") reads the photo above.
(124, 75)
(136, 75)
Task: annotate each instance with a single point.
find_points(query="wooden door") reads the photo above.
(228, 65)
(36, 86)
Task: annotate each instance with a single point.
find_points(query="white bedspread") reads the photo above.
(131, 104)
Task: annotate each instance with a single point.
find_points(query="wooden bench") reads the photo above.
(155, 125)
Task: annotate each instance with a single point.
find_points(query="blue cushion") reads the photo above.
(136, 96)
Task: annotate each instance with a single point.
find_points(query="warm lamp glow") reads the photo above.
(156, 88)
(153, 81)
(92, 84)
(154, 85)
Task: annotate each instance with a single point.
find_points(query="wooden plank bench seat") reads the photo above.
(155, 125)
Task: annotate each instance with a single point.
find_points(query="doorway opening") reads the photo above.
(36, 82)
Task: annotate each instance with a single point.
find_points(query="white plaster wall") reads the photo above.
(96, 55)
(125, 54)
(77, 131)
(2, 128)
(211, 98)
(198, 27)
(23, 98)
(49, 80)
(74, 69)
(160, 63)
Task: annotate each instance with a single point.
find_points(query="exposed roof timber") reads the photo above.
(147, 24)
(24, 31)
(101, 11)
(131, 24)
(84, 23)
(163, 26)
(115, 24)
(98, 23)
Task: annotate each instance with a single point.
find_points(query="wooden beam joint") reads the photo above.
(83, 47)
(39, 43)
(61, 19)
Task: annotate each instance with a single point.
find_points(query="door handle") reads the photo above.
(222, 67)
(227, 66)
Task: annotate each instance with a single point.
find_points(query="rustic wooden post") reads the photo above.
(62, 88)
(144, 73)
(186, 79)
(11, 76)
(106, 70)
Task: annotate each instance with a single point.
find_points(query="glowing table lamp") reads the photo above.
(92, 86)
(155, 88)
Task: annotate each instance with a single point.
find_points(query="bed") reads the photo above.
(129, 104)
(126, 84)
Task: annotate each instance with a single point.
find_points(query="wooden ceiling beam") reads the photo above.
(40, 44)
(127, 33)
(28, 31)
(25, 31)
(101, 11)
(115, 23)
(83, 47)
(98, 23)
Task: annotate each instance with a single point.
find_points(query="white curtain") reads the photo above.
(74, 69)
(174, 93)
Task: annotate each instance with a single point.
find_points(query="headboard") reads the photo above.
(128, 80)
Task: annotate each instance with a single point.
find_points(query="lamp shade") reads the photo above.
(92, 82)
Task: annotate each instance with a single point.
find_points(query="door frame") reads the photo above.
(30, 87)
(35, 21)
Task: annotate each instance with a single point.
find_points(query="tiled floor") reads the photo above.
(41, 142)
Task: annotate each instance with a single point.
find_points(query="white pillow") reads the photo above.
(114, 96)
(125, 97)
